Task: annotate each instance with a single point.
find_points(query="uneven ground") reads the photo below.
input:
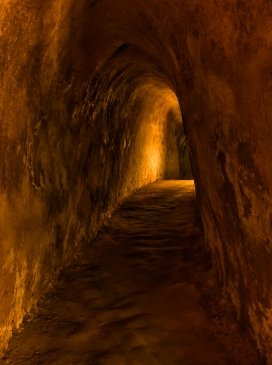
(143, 294)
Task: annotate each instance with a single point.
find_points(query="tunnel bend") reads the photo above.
(135, 107)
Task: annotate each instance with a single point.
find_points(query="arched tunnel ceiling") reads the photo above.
(83, 83)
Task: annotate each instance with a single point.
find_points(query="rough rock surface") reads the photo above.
(136, 295)
(86, 91)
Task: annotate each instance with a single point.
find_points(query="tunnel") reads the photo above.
(113, 112)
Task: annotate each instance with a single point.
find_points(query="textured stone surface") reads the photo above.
(144, 293)
(78, 132)
(86, 88)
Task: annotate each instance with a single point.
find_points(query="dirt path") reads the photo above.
(137, 300)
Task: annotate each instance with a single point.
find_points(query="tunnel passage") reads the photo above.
(83, 83)
(138, 295)
(81, 132)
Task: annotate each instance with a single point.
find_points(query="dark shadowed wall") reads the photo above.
(89, 112)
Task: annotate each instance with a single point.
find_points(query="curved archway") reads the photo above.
(82, 82)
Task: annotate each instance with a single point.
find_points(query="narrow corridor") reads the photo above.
(136, 297)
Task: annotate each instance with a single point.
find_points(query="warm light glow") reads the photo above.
(155, 160)
(157, 100)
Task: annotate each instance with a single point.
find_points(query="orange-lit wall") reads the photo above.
(81, 84)
(76, 135)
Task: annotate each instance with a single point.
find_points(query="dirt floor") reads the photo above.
(143, 294)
